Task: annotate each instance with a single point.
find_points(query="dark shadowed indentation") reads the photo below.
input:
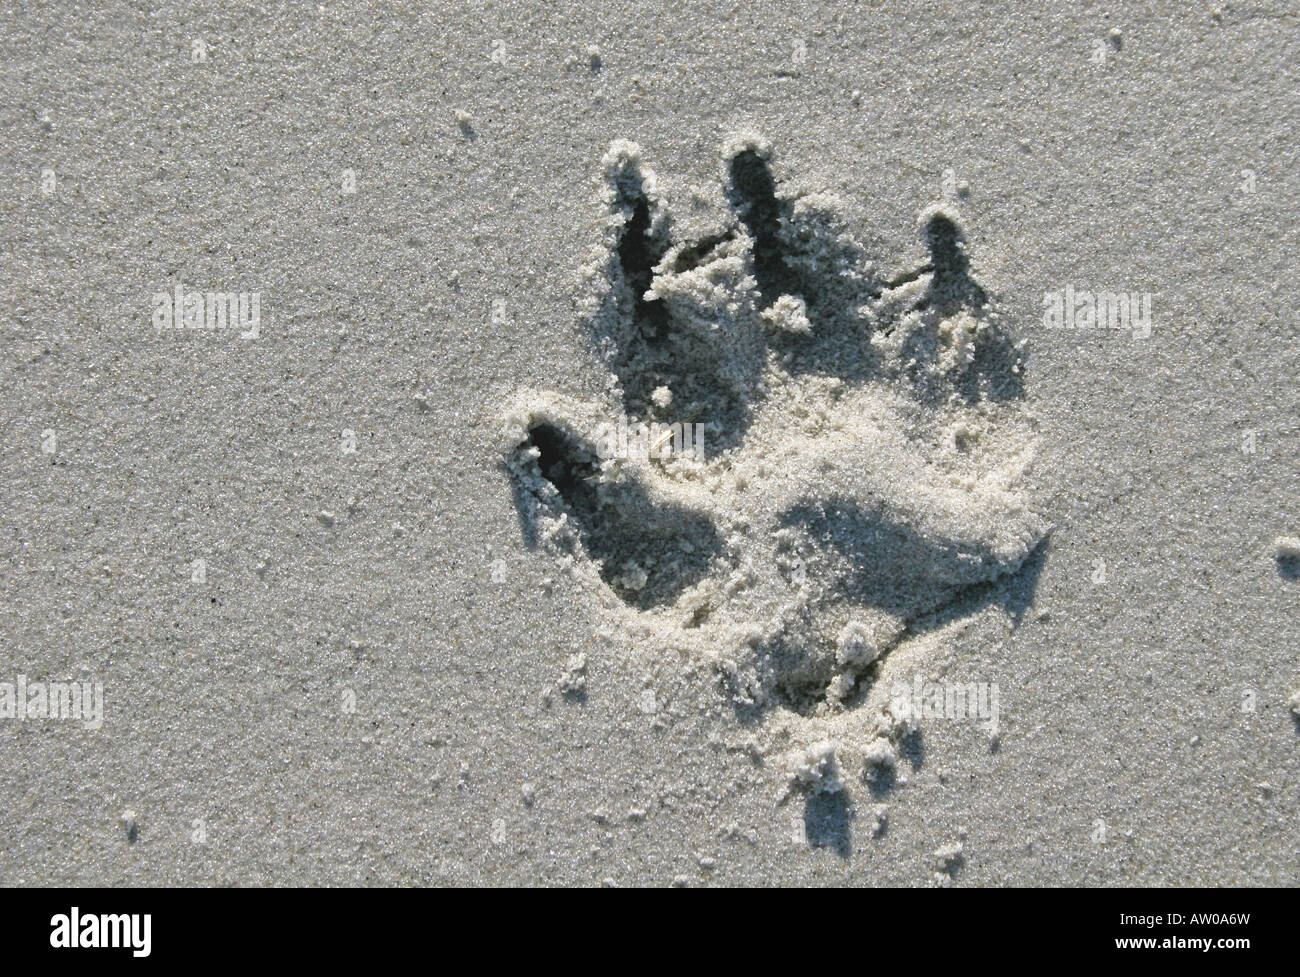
(621, 527)
(828, 822)
(952, 287)
(895, 568)
(793, 672)
(892, 566)
(637, 256)
(882, 779)
(802, 256)
(562, 462)
(652, 350)
(753, 194)
(996, 371)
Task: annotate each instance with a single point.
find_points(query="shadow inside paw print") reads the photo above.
(856, 435)
(828, 822)
(621, 526)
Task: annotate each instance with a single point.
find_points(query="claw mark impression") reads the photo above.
(866, 437)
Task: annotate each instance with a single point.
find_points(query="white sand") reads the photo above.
(341, 642)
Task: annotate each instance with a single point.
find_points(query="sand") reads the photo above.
(972, 560)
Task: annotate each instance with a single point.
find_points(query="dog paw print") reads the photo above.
(803, 455)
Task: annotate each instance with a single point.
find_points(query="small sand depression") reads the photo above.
(863, 450)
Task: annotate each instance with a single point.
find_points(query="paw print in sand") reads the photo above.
(800, 459)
